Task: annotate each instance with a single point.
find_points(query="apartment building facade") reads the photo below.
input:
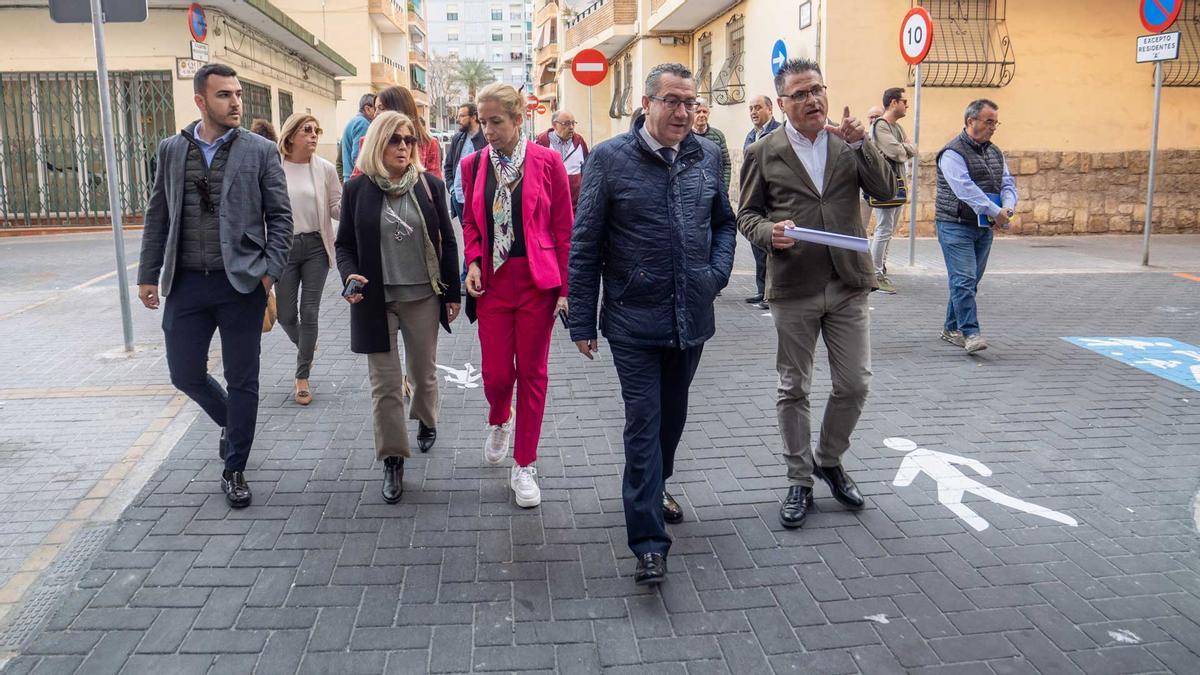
(494, 31)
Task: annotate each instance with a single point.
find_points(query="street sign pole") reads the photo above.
(1153, 156)
(110, 169)
(591, 130)
(916, 163)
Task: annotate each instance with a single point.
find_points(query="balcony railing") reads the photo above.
(599, 17)
(391, 10)
(416, 16)
(386, 71)
(547, 53)
(545, 12)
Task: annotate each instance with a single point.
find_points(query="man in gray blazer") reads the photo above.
(217, 235)
(809, 174)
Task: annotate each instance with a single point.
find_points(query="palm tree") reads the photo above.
(473, 74)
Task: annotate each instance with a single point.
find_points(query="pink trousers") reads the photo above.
(516, 321)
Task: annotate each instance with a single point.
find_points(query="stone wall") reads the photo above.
(1080, 192)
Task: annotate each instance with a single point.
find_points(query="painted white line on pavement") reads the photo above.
(90, 282)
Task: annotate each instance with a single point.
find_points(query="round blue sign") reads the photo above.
(1158, 15)
(778, 56)
(197, 22)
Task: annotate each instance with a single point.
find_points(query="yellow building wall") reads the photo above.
(25, 35)
(1076, 85)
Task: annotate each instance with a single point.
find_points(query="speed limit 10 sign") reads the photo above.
(916, 35)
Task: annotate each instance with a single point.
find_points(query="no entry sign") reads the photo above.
(1158, 15)
(590, 67)
(916, 35)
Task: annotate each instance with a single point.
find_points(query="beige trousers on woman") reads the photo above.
(417, 322)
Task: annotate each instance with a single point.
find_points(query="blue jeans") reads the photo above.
(966, 249)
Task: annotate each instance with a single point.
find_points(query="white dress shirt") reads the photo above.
(811, 154)
(655, 145)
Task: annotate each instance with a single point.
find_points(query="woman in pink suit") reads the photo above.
(516, 233)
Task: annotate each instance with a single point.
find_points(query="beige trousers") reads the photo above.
(417, 322)
(840, 314)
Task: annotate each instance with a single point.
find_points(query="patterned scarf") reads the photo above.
(509, 171)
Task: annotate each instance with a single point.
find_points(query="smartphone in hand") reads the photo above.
(353, 287)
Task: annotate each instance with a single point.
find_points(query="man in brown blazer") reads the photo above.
(809, 174)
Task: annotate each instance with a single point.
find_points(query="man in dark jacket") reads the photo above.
(218, 231)
(469, 129)
(656, 226)
(762, 115)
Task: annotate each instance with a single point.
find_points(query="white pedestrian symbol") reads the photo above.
(465, 378)
(952, 483)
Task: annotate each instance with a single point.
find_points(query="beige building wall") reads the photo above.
(152, 45)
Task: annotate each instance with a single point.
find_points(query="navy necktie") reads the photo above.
(667, 154)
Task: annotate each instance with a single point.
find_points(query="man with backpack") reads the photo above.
(891, 140)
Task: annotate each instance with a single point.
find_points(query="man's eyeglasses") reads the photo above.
(397, 139)
(672, 103)
(202, 187)
(802, 96)
(991, 124)
(567, 124)
(312, 129)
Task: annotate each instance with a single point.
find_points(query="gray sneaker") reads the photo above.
(975, 343)
(954, 337)
(885, 284)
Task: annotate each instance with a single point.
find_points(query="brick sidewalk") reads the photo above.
(321, 576)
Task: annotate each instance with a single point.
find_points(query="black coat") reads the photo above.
(450, 166)
(358, 253)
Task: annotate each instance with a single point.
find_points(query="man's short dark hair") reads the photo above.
(893, 94)
(365, 100)
(975, 107)
(794, 67)
(677, 69)
(200, 81)
(472, 109)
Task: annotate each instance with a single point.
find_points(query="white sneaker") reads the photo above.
(975, 343)
(523, 481)
(495, 448)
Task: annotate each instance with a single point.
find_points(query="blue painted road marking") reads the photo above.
(1169, 359)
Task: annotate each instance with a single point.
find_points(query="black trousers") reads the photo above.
(760, 268)
(199, 305)
(654, 387)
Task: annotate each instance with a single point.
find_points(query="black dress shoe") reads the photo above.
(393, 479)
(754, 299)
(843, 488)
(425, 436)
(237, 492)
(651, 569)
(222, 445)
(795, 506)
(672, 512)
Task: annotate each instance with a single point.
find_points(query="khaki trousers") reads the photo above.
(840, 314)
(417, 322)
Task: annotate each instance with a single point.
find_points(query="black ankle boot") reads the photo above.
(393, 479)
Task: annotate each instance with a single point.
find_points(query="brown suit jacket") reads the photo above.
(776, 187)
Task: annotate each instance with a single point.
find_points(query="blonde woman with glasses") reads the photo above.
(316, 196)
(398, 258)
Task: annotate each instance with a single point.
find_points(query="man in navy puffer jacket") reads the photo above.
(655, 225)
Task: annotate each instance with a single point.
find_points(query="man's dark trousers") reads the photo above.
(760, 269)
(654, 386)
(200, 304)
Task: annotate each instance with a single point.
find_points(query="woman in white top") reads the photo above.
(316, 196)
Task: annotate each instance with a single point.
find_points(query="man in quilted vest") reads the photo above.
(975, 192)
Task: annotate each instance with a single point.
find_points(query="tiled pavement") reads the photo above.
(322, 576)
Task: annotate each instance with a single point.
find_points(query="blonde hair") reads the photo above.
(507, 96)
(290, 126)
(370, 158)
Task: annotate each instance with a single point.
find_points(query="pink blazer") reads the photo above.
(545, 211)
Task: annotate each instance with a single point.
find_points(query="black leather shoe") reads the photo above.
(672, 512)
(843, 488)
(651, 569)
(795, 506)
(237, 492)
(425, 436)
(222, 445)
(393, 479)
(754, 300)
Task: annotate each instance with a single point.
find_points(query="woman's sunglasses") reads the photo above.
(397, 139)
(312, 129)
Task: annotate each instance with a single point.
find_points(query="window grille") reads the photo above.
(971, 46)
(285, 106)
(256, 102)
(704, 67)
(614, 108)
(1185, 71)
(729, 89)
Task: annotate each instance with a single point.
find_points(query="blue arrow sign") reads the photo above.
(778, 56)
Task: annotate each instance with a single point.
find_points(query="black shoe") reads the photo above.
(843, 488)
(672, 512)
(754, 299)
(795, 506)
(425, 436)
(393, 479)
(651, 569)
(222, 445)
(237, 492)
